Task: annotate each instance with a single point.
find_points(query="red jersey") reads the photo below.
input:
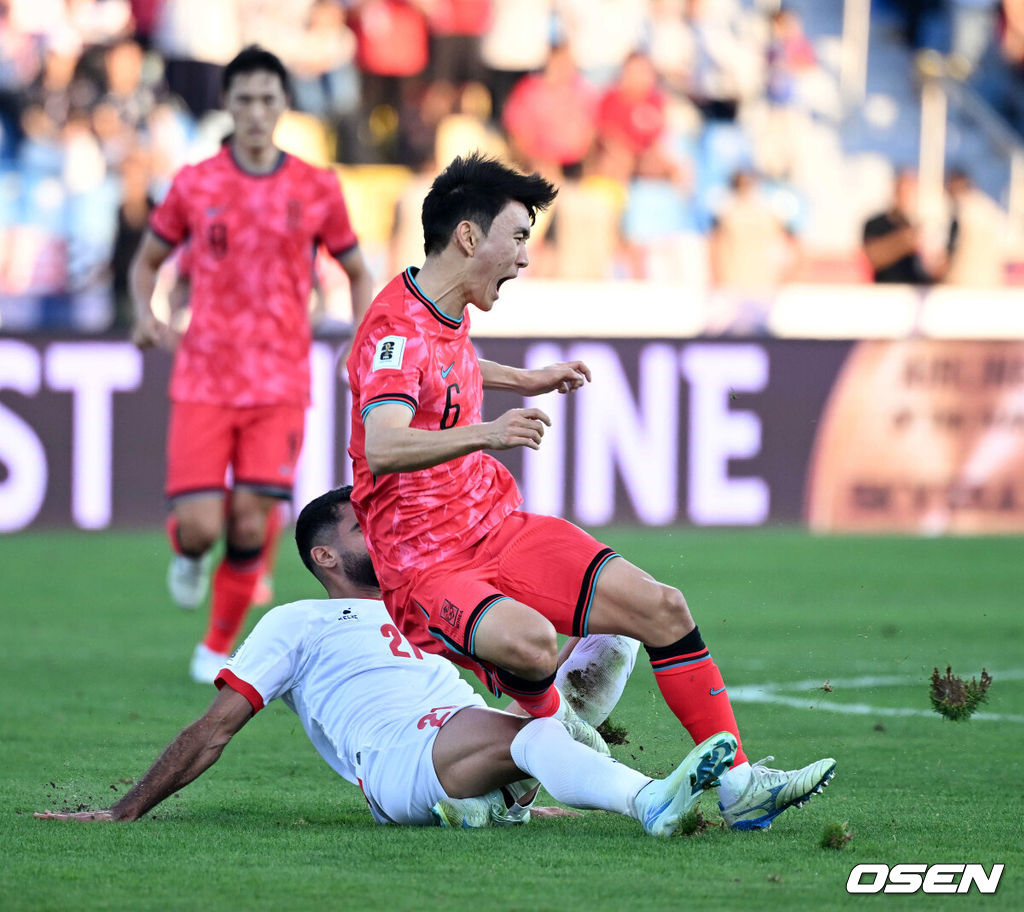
(252, 240)
(636, 122)
(408, 351)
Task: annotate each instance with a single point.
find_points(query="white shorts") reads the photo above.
(399, 780)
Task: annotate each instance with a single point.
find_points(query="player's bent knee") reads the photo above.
(666, 619)
(248, 530)
(531, 654)
(677, 618)
(198, 535)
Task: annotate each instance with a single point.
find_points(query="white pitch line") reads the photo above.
(1014, 674)
(771, 693)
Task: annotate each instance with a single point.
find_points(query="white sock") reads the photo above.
(732, 783)
(573, 773)
(595, 674)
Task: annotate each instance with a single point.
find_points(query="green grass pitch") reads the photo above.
(827, 645)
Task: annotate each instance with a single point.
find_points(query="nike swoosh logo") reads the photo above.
(447, 370)
(715, 693)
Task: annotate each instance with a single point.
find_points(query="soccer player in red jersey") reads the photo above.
(461, 568)
(253, 217)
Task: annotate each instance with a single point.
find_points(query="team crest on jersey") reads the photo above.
(450, 613)
(389, 353)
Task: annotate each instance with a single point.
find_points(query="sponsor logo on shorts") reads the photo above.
(923, 878)
(450, 613)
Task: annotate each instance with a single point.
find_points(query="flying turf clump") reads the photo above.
(835, 836)
(955, 699)
(612, 733)
(694, 823)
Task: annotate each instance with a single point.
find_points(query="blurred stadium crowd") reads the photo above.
(695, 141)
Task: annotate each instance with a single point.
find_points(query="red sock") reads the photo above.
(692, 686)
(233, 585)
(546, 704)
(538, 698)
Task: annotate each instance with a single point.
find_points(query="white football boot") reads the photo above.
(662, 803)
(769, 792)
(206, 664)
(188, 579)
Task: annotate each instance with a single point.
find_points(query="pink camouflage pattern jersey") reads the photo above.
(408, 351)
(252, 241)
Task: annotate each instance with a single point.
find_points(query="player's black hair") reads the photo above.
(475, 188)
(316, 522)
(255, 59)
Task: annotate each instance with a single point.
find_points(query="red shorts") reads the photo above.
(546, 563)
(260, 443)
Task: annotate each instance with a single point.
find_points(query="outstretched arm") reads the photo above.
(360, 283)
(187, 757)
(393, 446)
(361, 289)
(148, 330)
(564, 377)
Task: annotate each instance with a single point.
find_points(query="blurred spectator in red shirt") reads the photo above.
(145, 14)
(392, 51)
(392, 38)
(456, 29)
(551, 117)
(631, 115)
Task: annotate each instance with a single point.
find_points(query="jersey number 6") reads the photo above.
(451, 409)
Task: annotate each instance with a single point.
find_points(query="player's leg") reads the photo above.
(471, 751)
(592, 673)
(198, 453)
(483, 785)
(552, 566)
(591, 676)
(267, 445)
(585, 588)
(630, 600)
(480, 750)
(471, 617)
(194, 526)
(581, 778)
(234, 580)
(264, 593)
(521, 645)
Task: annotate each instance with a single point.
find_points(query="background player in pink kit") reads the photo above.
(254, 217)
(460, 566)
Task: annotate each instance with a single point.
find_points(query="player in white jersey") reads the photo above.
(401, 723)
